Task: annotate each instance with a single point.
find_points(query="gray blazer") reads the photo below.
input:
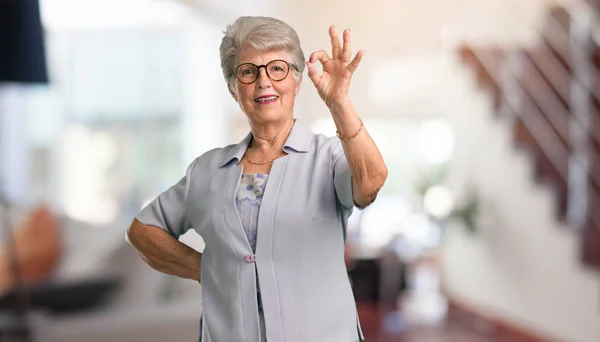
(299, 255)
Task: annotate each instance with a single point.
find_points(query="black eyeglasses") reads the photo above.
(277, 70)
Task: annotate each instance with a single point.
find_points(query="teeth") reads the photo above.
(266, 99)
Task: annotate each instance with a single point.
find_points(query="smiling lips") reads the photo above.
(266, 99)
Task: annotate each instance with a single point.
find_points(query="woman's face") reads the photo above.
(266, 100)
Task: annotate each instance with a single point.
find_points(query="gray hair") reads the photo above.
(263, 34)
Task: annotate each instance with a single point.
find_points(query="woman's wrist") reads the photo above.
(346, 121)
(341, 107)
(195, 261)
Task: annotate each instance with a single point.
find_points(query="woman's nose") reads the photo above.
(263, 80)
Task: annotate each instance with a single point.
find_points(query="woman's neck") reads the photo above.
(269, 137)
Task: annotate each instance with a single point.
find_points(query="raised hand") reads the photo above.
(334, 83)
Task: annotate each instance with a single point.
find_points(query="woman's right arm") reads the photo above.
(163, 252)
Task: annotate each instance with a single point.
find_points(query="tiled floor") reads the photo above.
(421, 317)
(443, 331)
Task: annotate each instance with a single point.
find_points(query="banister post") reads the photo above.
(579, 125)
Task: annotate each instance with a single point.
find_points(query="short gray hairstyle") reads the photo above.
(263, 34)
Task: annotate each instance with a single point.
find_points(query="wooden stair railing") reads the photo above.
(551, 94)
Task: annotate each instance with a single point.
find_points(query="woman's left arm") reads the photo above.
(364, 158)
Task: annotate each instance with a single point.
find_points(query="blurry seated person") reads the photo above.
(55, 250)
(38, 249)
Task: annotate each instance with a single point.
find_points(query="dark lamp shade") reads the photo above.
(22, 53)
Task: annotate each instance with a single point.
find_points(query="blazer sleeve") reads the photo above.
(168, 211)
(342, 178)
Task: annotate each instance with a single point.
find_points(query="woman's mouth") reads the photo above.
(266, 99)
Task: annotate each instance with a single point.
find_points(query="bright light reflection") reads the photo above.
(85, 159)
(436, 141)
(438, 201)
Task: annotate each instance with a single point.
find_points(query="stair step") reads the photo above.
(559, 42)
(485, 80)
(543, 66)
(590, 252)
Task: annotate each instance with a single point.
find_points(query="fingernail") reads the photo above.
(310, 60)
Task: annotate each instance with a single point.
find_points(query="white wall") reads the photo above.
(523, 264)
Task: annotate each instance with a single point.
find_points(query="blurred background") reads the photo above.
(486, 113)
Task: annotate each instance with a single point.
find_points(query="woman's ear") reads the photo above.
(232, 92)
(298, 84)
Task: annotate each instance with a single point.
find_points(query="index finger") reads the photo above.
(320, 56)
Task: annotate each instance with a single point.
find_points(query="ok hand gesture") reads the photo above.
(334, 83)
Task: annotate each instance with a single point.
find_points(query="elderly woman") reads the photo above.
(273, 208)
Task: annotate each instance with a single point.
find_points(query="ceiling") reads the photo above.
(390, 27)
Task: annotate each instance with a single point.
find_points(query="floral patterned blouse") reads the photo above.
(248, 198)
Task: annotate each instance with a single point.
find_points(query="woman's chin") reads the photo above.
(269, 114)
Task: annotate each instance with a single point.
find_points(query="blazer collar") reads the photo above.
(298, 141)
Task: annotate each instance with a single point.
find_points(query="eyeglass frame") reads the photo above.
(290, 65)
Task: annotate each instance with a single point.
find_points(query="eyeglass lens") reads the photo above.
(248, 72)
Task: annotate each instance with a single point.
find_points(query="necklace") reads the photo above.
(275, 138)
(280, 154)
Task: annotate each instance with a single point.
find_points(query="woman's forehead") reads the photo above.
(258, 57)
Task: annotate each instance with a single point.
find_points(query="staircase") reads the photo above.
(550, 95)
